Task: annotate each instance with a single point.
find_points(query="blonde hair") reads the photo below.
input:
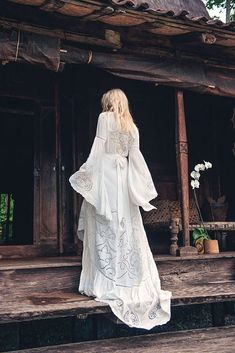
(116, 101)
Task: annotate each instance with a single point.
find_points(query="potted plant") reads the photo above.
(202, 240)
(199, 236)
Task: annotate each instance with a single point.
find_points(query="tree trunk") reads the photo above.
(228, 10)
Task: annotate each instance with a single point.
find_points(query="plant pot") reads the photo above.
(211, 246)
(199, 244)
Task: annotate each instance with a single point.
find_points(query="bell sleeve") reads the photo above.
(140, 183)
(89, 179)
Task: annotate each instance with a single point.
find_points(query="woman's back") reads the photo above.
(118, 141)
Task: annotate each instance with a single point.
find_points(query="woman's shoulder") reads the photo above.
(102, 118)
(107, 118)
(106, 114)
(135, 130)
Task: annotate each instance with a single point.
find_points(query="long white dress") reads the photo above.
(118, 267)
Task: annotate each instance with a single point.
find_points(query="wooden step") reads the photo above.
(208, 340)
(48, 287)
(62, 304)
(39, 275)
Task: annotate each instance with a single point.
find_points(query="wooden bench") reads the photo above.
(168, 216)
(207, 340)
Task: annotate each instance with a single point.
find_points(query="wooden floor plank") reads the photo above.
(208, 340)
(39, 262)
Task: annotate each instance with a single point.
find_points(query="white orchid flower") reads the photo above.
(195, 175)
(207, 165)
(197, 167)
(195, 184)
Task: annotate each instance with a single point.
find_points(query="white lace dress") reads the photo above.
(117, 264)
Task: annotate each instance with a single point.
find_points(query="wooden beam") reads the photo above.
(131, 44)
(16, 111)
(182, 164)
(195, 38)
(179, 54)
(68, 53)
(57, 33)
(98, 14)
(52, 5)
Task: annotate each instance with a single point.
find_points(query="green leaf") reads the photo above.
(199, 233)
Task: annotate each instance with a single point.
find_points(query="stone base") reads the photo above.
(187, 251)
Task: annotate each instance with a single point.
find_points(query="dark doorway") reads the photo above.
(17, 120)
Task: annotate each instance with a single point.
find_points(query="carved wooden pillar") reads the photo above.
(182, 164)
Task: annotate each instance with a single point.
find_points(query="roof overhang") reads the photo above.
(131, 38)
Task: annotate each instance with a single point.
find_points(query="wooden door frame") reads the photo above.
(36, 248)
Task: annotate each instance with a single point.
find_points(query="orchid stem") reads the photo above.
(199, 211)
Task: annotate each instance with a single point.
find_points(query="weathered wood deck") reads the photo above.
(48, 287)
(208, 340)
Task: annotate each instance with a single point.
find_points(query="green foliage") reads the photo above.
(210, 4)
(200, 233)
(218, 3)
(3, 208)
(4, 201)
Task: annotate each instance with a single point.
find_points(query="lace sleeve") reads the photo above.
(88, 180)
(140, 183)
(100, 138)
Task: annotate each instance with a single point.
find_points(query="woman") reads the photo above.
(117, 264)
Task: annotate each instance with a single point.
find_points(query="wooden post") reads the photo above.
(76, 163)
(182, 164)
(58, 170)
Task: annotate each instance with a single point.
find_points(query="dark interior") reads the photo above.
(16, 177)
(210, 127)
